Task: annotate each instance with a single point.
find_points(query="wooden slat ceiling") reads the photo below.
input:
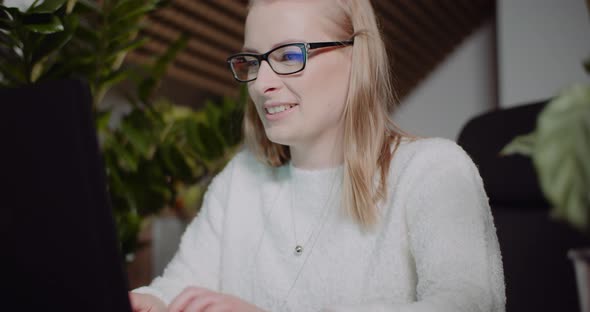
(419, 35)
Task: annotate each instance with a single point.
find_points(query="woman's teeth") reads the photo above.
(277, 109)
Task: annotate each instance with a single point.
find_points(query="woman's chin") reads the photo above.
(279, 137)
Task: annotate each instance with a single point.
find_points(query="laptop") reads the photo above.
(58, 245)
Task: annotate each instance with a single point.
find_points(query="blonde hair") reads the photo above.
(370, 135)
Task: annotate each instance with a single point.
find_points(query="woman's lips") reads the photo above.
(279, 111)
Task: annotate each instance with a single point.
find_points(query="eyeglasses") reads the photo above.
(286, 59)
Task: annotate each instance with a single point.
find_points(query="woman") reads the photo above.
(331, 207)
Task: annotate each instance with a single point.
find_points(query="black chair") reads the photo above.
(538, 274)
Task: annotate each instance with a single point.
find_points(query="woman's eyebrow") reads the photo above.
(250, 50)
(246, 49)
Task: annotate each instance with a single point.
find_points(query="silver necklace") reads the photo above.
(323, 219)
(308, 253)
(299, 246)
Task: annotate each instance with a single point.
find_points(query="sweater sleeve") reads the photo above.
(452, 239)
(197, 261)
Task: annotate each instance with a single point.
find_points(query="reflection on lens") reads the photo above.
(245, 67)
(287, 59)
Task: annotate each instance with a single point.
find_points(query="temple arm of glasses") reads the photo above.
(317, 45)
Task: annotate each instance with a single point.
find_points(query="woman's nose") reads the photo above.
(266, 80)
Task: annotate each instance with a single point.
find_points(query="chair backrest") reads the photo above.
(511, 180)
(538, 274)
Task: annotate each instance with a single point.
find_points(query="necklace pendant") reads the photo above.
(298, 250)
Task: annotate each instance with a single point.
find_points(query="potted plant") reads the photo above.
(560, 151)
(156, 155)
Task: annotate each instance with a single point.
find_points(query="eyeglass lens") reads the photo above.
(285, 60)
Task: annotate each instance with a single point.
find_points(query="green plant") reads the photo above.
(30, 38)
(560, 151)
(159, 154)
(165, 155)
(54, 39)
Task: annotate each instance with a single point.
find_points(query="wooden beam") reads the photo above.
(196, 45)
(188, 24)
(413, 41)
(211, 69)
(434, 32)
(400, 57)
(238, 8)
(455, 14)
(415, 31)
(471, 11)
(197, 81)
(446, 24)
(398, 35)
(204, 11)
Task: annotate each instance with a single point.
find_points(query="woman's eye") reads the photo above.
(292, 57)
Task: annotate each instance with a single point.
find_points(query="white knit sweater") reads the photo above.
(434, 249)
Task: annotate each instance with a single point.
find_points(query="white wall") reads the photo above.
(460, 88)
(166, 234)
(541, 45)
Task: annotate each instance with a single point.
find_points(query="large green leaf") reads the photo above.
(43, 24)
(6, 19)
(8, 55)
(231, 127)
(50, 45)
(83, 65)
(523, 145)
(147, 87)
(228, 105)
(123, 7)
(8, 41)
(54, 42)
(12, 14)
(70, 6)
(148, 198)
(192, 197)
(13, 72)
(561, 155)
(210, 140)
(126, 159)
(162, 3)
(47, 6)
(119, 34)
(139, 138)
(128, 227)
(130, 45)
(113, 56)
(133, 15)
(213, 113)
(37, 70)
(191, 131)
(114, 172)
(115, 77)
(103, 119)
(162, 63)
(88, 6)
(174, 162)
(87, 35)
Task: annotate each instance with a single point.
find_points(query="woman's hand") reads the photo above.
(146, 303)
(196, 299)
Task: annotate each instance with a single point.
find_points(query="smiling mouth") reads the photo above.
(277, 109)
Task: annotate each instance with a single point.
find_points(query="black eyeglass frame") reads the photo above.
(304, 46)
